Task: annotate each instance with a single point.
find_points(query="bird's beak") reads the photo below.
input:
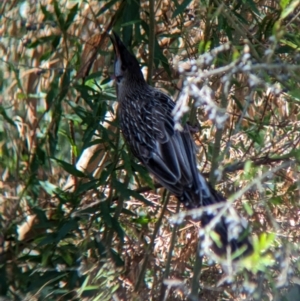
(121, 55)
(117, 43)
(124, 60)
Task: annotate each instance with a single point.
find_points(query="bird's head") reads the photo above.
(126, 69)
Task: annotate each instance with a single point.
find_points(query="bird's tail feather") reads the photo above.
(227, 231)
(227, 234)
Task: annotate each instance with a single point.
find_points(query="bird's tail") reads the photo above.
(223, 230)
(228, 233)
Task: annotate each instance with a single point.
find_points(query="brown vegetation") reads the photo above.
(80, 218)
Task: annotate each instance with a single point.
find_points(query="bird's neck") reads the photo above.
(132, 87)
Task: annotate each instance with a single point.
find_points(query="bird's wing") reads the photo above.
(169, 154)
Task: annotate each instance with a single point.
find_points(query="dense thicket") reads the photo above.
(80, 218)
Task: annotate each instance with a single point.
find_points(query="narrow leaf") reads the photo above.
(69, 168)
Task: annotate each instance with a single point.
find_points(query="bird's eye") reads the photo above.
(119, 78)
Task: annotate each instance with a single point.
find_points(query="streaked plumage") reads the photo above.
(170, 155)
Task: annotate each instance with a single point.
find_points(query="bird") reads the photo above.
(169, 154)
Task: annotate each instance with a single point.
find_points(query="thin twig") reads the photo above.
(170, 255)
(150, 247)
(151, 40)
(224, 206)
(196, 275)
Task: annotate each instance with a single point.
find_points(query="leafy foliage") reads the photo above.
(80, 218)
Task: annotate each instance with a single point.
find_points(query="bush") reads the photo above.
(81, 219)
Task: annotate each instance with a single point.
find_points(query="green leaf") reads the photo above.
(276, 200)
(79, 110)
(106, 7)
(131, 22)
(248, 208)
(288, 9)
(46, 55)
(101, 247)
(238, 103)
(180, 7)
(21, 96)
(116, 258)
(158, 54)
(46, 13)
(67, 256)
(295, 94)
(4, 280)
(284, 3)
(50, 238)
(105, 213)
(71, 16)
(52, 93)
(94, 75)
(216, 238)
(42, 40)
(43, 221)
(126, 193)
(204, 46)
(5, 116)
(247, 167)
(130, 16)
(66, 229)
(65, 82)
(59, 15)
(142, 220)
(266, 240)
(49, 187)
(256, 137)
(69, 168)
(128, 212)
(118, 229)
(253, 7)
(55, 42)
(72, 143)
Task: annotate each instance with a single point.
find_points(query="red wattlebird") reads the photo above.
(170, 155)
